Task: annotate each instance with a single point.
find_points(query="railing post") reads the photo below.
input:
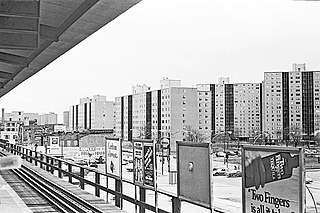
(70, 170)
(47, 164)
(51, 167)
(26, 154)
(60, 167)
(36, 158)
(30, 154)
(97, 181)
(118, 189)
(82, 176)
(176, 205)
(142, 199)
(41, 161)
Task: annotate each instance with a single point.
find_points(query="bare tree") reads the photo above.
(195, 135)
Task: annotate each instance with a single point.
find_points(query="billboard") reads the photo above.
(194, 173)
(138, 162)
(148, 164)
(272, 179)
(113, 156)
(55, 151)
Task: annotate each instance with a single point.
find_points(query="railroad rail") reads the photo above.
(64, 200)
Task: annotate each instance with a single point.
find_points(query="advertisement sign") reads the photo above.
(113, 157)
(54, 151)
(149, 171)
(194, 179)
(272, 179)
(138, 162)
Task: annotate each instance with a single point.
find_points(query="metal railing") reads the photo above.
(51, 164)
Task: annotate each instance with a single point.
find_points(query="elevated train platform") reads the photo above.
(18, 197)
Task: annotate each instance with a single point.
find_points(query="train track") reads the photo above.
(62, 199)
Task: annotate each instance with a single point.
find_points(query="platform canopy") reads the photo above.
(33, 33)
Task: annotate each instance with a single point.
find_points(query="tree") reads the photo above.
(195, 135)
(295, 135)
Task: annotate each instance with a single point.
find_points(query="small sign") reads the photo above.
(138, 162)
(148, 153)
(165, 142)
(113, 157)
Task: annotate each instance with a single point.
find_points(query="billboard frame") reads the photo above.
(183, 198)
(142, 184)
(120, 158)
(291, 150)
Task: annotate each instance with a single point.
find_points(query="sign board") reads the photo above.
(54, 151)
(165, 142)
(194, 173)
(138, 162)
(54, 141)
(113, 156)
(273, 179)
(148, 164)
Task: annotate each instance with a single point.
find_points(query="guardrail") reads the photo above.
(51, 164)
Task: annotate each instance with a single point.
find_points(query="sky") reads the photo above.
(192, 41)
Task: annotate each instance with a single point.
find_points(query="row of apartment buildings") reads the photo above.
(285, 103)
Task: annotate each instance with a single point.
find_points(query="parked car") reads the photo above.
(220, 154)
(220, 172)
(234, 173)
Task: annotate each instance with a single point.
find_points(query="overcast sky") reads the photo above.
(194, 41)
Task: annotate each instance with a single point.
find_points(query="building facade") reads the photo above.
(291, 103)
(66, 120)
(91, 114)
(9, 130)
(157, 114)
(21, 116)
(230, 108)
(51, 118)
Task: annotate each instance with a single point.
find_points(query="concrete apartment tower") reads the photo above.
(291, 103)
(156, 114)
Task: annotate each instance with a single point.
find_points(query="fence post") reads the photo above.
(60, 167)
(41, 161)
(70, 170)
(97, 181)
(36, 158)
(142, 199)
(51, 167)
(176, 205)
(30, 154)
(47, 164)
(82, 176)
(118, 189)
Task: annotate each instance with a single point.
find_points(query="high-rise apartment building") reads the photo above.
(91, 114)
(163, 113)
(230, 108)
(66, 120)
(291, 102)
(51, 118)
